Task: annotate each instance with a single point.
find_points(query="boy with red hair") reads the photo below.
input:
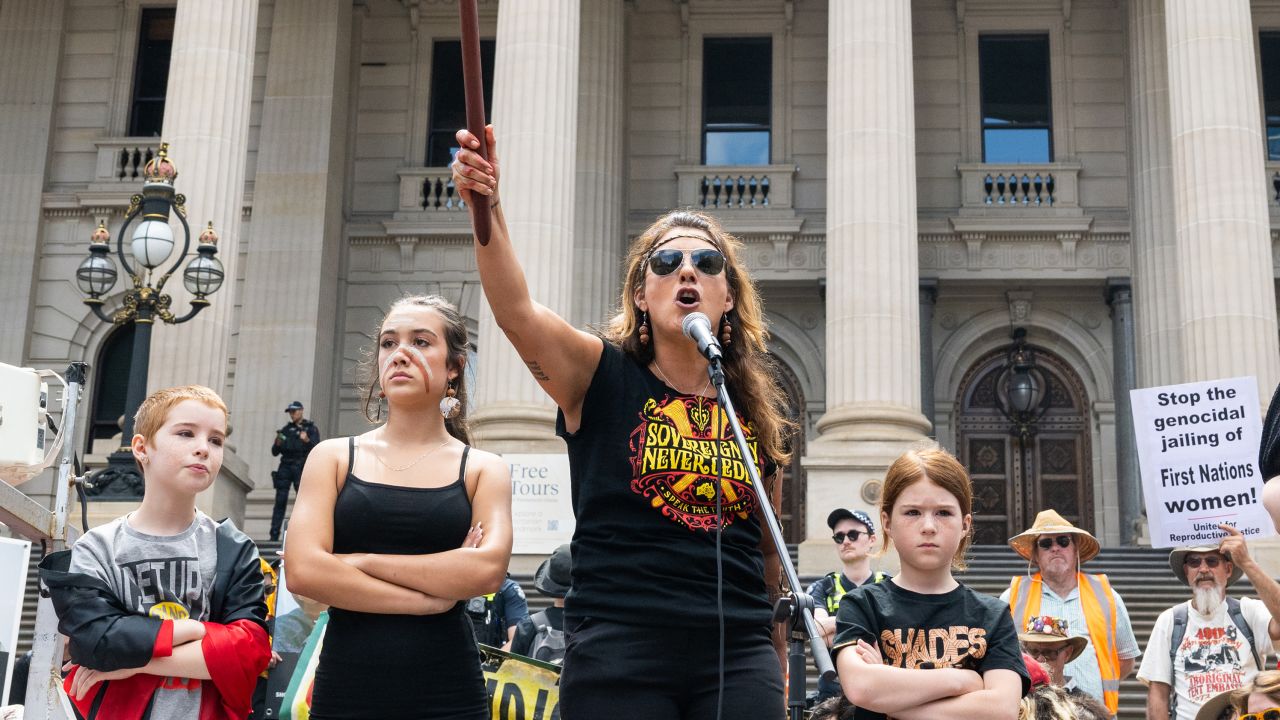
(164, 609)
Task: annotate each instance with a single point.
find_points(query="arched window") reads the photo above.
(110, 377)
(1015, 478)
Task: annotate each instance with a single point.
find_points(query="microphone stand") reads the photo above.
(796, 608)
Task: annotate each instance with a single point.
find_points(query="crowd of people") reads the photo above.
(663, 603)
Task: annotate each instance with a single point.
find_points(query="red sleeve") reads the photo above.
(235, 654)
(164, 641)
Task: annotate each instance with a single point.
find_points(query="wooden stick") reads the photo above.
(473, 86)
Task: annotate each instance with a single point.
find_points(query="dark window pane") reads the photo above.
(1273, 141)
(737, 78)
(738, 148)
(1014, 75)
(448, 98)
(1269, 49)
(151, 72)
(111, 381)
(1016, 146)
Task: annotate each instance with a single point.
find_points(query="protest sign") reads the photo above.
(520, 688)
(541, 505)
(1197, 448)
(14, 557)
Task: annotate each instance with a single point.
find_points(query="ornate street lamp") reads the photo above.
(1022, 389)
(152, 243)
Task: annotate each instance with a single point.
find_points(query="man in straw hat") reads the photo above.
(1210, 643)
(1047, 639)
(1085, 601)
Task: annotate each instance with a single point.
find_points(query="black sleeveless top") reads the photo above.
(399, 666)
(644, 466)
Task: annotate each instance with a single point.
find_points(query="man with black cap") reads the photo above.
(854, 536)
(293, 443)
(1212, 642)
(541, 635)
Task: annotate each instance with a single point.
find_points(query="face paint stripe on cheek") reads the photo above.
(414, 355)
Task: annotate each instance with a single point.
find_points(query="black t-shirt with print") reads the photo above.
(957, 629)
(643, 466)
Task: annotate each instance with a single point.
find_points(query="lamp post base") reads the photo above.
(119, 479)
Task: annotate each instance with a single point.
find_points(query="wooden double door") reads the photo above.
(1014, 479)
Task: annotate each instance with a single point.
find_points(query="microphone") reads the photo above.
(697, 327)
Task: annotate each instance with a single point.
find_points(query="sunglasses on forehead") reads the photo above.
(1063, 541)
(1268, 714)
(708, 261)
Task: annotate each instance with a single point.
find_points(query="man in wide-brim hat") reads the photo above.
(1211, 642)
(1087, 602)
(1049, 640)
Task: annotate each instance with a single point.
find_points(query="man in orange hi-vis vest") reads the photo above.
(1088, 603)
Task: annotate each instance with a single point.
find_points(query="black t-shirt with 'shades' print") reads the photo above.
(644, 466)
(957, 629)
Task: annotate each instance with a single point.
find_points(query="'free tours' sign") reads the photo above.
(1198, 448)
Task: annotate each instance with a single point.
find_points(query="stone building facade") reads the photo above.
(895, 247)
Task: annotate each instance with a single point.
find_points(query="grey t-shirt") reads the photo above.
(167, 577)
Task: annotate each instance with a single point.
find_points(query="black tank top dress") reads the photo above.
(410, 667)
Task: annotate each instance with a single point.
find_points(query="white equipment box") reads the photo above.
(24, 398)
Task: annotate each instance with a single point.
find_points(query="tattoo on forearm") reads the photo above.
(536, 369)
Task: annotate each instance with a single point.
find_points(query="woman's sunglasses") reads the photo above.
(852, 535)
(1268, 714)
(708, 261)
(1211, 560)
(1062, 540)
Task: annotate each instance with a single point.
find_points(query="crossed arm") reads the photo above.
(395, 584)
(908, 694)
(469, 570)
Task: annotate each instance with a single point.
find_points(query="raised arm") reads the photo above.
(467, 571)
(560, 357)
(310, 565)
(1267, 588)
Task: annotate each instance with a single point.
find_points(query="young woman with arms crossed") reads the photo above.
(648, 445)
(393, 528)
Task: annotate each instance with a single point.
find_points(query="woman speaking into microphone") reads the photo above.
(649, 448)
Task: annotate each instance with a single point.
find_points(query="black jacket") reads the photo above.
(105, 635)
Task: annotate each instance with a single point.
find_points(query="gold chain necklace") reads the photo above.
(416, 460)
(663, 375)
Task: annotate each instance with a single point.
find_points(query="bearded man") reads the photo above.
(1211, 643)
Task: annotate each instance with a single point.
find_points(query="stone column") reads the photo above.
(206, 123)
(1158, 326)
(1120, 298)
(535, 114)
(1227, 290)
(599, 230)
(873, 340)
(30, 48)
(928, 298)
(287, 333)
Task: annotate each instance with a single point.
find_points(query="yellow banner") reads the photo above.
(521, 688)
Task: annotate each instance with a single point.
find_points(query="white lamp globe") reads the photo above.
(152, 243)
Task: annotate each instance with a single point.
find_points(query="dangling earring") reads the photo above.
(382, 394)
(449, 404)
(644, 328)
(726, 330)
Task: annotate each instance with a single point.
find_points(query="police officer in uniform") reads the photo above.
(293, 442)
